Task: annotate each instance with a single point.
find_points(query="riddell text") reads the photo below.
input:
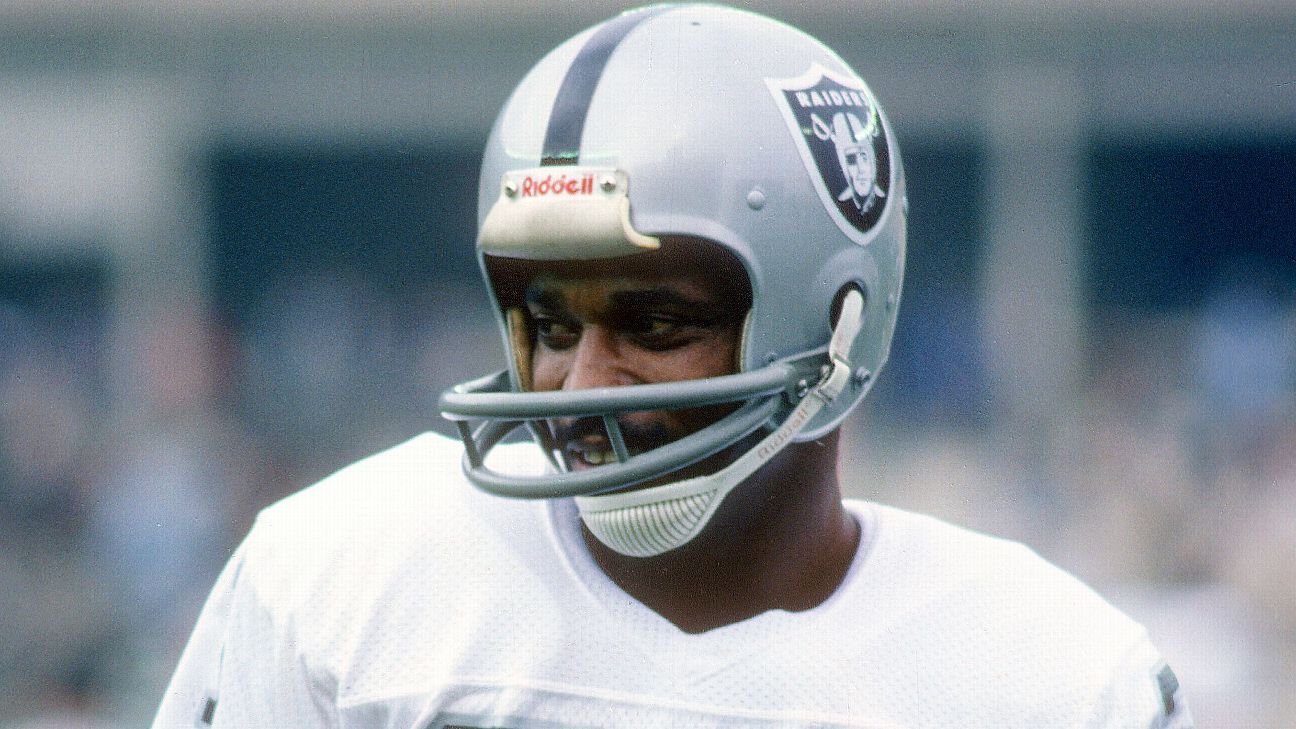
(560, 185)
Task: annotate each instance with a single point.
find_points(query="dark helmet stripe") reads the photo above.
(567, 120)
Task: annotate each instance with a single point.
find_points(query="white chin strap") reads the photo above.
(654, 520)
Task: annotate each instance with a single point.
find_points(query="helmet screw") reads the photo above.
(803, 386)
(756, 199)
(861, 377)
(511, 188)
(608, 183)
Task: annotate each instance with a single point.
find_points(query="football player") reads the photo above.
(691, 306)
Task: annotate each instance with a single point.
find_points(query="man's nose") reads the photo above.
(597, 361)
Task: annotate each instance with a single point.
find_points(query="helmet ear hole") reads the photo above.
(840, 297)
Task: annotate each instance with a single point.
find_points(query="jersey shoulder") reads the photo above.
(404, 486)
(924, 553)
(398, 512)
(959, 598)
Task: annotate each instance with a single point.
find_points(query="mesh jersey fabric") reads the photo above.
(392, 594)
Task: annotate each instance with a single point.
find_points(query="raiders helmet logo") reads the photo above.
(839, 134)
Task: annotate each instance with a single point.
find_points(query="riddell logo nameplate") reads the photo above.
(571, 184)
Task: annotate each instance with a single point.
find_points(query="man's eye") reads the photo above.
(555, 333)
(659, 325)
(659, 329)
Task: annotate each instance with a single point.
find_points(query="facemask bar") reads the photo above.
(762, 391)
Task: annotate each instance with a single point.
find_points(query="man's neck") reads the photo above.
(782, 540)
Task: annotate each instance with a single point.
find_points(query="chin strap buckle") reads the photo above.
(848, 326)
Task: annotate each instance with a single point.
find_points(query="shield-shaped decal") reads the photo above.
(842, 141)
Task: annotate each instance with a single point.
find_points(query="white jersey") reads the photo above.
(395, 595)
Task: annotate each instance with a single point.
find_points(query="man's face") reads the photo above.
(860, 168)
(643, 319)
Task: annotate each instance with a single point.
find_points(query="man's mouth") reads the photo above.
(591, 452)
(580, 454)
(584, 443)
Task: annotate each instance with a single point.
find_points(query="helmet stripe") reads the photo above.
(567, 119)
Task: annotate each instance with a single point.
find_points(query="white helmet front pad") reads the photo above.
(709, 123)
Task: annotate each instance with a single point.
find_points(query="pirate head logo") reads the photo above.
(840, 136)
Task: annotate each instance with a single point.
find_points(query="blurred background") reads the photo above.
(235, 254)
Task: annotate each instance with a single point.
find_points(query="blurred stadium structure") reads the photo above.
(235, 253)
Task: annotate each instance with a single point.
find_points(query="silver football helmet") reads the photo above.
(708, 123)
